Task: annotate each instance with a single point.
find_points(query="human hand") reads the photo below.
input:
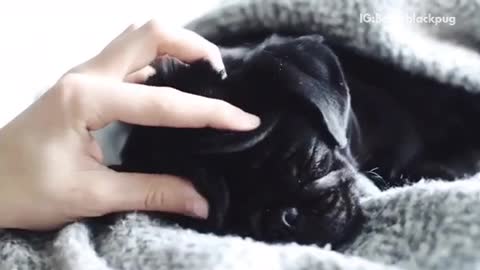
(51, 170)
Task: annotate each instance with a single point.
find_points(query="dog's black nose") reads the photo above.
(277, 224)
(289, 217)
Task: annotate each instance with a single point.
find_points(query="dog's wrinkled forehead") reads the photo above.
(307, 69)
(272, 77)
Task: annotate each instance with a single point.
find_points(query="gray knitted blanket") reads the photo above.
(428, 225)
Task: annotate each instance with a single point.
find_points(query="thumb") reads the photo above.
(149, 192)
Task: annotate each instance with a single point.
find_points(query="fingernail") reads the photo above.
(219, 67)
(198, 208)
(249, 121)
(223, 74)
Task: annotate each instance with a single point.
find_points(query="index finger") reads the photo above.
(135, 49)
(155, 106)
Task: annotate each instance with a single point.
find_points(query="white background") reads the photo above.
(41, 39)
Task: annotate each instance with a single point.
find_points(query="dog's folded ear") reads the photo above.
(270, 79)
(200, 79)
(309, 70)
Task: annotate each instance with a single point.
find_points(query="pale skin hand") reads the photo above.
(51, 170)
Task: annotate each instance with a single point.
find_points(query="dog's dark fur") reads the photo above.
(327, 116)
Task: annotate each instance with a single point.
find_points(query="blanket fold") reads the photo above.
(409, 36)
(428, 225)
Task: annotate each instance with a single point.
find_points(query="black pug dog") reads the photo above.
(329, 118)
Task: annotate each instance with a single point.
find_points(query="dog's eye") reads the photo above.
(321, 165)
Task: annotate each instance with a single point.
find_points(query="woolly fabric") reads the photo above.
(445, 52)
(428, 225)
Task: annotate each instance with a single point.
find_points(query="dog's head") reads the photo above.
(288, 180)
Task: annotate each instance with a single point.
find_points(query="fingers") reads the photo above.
(115, 192)
(130, 28)
(140, 76)
(136, 48)
(157, 106)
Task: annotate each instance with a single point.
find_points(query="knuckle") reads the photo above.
(155, 28)
(70, 92)
(155, 199)
(131, 27)
(69, 82)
